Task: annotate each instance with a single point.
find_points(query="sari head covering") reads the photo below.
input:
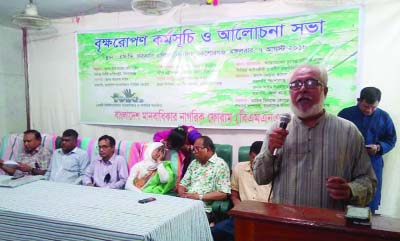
(151, 182)
(148, 153)
(150, 148)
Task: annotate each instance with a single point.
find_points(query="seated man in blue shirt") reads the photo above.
(68, 164)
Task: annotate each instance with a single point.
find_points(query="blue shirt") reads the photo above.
(67, 167)
(377, 128)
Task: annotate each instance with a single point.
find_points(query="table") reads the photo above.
(45, 210)
(276, 222)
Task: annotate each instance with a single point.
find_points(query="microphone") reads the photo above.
(284, 121)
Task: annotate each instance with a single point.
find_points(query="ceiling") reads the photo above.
(69, 8)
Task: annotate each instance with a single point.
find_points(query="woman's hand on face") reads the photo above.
(160, 155)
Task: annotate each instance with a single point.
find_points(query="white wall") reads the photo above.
(12, 82)
(380, 61)
(53, 71)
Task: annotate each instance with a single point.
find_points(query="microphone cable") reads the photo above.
(273, 177)
(284, 121)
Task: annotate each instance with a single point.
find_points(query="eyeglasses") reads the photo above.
(198, 148)
(308, 84)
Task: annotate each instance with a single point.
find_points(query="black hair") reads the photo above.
(109, 138)
(71, 133)
(176, 139)
(35, 132)
(256, 147)
(208, 143)
(370, 95)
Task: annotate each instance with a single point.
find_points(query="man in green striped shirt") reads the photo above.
(321, 160)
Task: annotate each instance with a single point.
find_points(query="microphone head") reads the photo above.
(284, 120)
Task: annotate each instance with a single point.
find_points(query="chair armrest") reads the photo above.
(221, 207)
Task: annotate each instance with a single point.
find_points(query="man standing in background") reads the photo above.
(378, 130)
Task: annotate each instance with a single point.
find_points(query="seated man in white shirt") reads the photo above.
(244, 187)
(68, 164)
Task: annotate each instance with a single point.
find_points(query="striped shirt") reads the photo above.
(334, 147)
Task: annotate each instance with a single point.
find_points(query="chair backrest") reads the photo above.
(131, 151)
(243, 153)
(225, 152)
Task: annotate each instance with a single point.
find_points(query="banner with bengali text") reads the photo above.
(215, 75)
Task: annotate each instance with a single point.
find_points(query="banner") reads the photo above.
(220, 75)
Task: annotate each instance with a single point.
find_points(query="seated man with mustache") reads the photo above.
(321, 160)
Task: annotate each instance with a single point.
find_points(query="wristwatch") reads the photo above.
(201, 197)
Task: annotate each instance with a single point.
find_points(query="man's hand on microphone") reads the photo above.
(276, 139)
(338, 188)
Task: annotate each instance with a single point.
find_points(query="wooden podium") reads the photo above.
(257, 221)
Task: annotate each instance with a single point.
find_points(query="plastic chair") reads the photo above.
(220, 208)
(224, 151)
(243, 153)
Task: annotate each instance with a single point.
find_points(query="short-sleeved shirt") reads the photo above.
(210, 177)
(243, 181)
(40, 155)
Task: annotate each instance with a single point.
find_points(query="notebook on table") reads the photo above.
(7, 181)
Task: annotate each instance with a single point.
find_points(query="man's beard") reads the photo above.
(314, 111)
